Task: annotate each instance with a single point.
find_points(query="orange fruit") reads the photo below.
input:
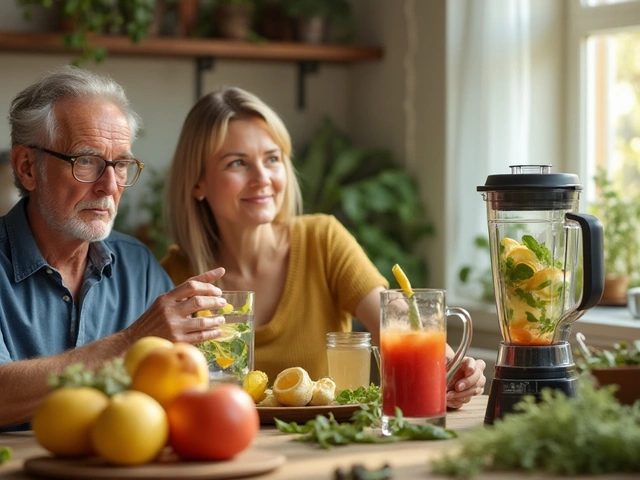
(140, 349)
(166, 372)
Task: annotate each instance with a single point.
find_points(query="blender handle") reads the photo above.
(592, 249)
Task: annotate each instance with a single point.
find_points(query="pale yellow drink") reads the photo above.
(349, 367)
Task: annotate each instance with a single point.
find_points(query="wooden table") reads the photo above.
(409, 460)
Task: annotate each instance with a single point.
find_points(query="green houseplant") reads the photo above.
(620, 219)
(95, 17)
(152, 232)
(313, 18)
(484, 278)
(375, 198)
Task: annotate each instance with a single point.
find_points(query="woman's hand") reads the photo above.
(469, 380)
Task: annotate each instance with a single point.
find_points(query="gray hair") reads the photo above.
(32, 117)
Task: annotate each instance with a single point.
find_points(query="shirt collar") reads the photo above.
(26, 256)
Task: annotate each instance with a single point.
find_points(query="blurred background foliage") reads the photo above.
(373, 196)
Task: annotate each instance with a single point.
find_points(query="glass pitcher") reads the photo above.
(546, 258)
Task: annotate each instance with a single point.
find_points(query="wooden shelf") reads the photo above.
(194, 48)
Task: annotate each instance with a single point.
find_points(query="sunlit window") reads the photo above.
(613, 110)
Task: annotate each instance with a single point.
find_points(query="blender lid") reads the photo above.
(531, 178)
(531, 187)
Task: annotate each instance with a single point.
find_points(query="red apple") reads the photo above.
(215, 424)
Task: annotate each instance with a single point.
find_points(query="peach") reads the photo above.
(164, 373)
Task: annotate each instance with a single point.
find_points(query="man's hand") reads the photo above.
(171, 315)
(469, 380)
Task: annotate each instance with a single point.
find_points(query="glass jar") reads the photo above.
(349, 359)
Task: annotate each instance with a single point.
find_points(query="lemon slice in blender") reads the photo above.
(293, 387)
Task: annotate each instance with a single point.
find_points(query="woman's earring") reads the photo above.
(201, 198)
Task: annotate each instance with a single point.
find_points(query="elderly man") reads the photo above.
(71, 289)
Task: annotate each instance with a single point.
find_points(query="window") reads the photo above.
(604, 92)
(603, 113)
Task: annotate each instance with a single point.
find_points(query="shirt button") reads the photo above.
(66, 298)
(49, 271)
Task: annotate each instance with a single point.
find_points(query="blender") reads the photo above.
(548, 270)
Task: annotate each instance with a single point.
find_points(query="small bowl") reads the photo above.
(627, 379)
(633, 301)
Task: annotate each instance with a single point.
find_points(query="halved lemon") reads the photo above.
(324, 392)
(255, 384)
(293, 387)
(203, 313)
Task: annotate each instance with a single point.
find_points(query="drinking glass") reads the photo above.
(230, 356)
(415, 371)
(349, 358)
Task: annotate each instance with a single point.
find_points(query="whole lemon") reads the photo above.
(62, 422)
(140, 349)
(131, 430)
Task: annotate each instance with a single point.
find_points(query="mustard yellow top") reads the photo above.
(329, 274)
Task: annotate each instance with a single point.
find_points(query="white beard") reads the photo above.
(57, 216)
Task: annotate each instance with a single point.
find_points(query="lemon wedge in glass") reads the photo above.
(403, 281)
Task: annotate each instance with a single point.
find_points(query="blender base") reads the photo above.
(511, 383)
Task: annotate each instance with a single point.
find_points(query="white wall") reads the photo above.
(163, 90)
(366, 99)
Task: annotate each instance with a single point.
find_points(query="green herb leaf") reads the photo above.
(589, 434)
(110, 378)
(327, 432)
(5, 454)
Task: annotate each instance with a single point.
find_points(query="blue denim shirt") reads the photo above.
(38, 314)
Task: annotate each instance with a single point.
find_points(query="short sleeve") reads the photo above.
(350, 272)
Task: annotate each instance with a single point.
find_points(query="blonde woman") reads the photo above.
(233, 201)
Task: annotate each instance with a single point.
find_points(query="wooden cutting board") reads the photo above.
(248, 463)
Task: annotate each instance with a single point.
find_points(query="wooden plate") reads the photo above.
(248, 463)
(342, 413)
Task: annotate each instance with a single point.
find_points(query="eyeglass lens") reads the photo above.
(89, 169)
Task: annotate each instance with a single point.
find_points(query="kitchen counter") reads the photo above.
(408, 459)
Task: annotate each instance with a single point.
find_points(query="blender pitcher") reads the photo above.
(548, 270)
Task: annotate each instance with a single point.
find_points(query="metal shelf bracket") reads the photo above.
(305, 67)
(203, 64)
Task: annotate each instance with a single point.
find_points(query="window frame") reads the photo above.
(602, 325)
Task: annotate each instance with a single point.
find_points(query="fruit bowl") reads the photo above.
(627, 379)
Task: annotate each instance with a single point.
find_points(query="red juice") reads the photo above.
(413, 372)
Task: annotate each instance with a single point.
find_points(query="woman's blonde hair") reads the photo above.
(191, 222)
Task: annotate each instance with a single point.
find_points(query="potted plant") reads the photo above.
(374, 197)
(313, 18)
(87, 18)
(621, 238)
(482, 278)
(234, 18)
(618, 366)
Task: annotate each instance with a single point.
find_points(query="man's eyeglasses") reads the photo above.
(89, 168)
